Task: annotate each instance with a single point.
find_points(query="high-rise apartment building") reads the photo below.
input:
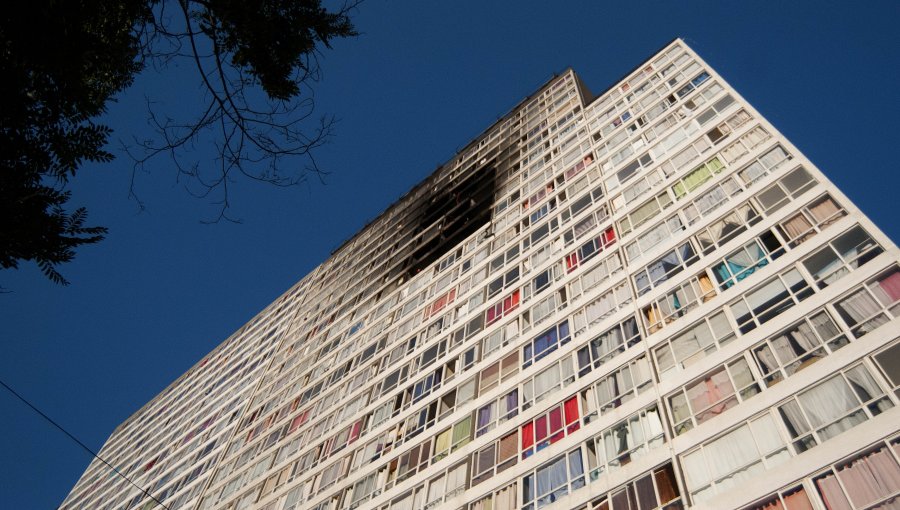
(647, 298)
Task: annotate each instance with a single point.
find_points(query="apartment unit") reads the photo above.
(646, 298)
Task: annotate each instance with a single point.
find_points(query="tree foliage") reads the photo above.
(62, 62)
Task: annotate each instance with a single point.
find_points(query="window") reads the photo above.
(770, 299)
(747, 259)
(499, 371)
(502, 282)
(740, 454)
(550, 427)
(552, 378)
(712, 395)
(542, 280)
(869, 480)
(665, 267)
(694, 344)
(608, 345)
(838, 404)
(789, 187)
(744, 144)
(439, 304)
(545, 343)
(462, 433)
(841, 255)
(552, 481)
(644, 213)
(653, 237)
(794, 498)
(581, 203)
(612, 300)
(636, 190)
(617, 388)
(504, 499)
(589, 249)
(873, 305)
(495, 412)
(730, 226)
(627, 440)
(888, 361)
(798, 346)
(677, 302)
(696, 177)
(592, 277)
(655, 489)
(497, 311)
(811, 219)
(764, 165)
(414, 460)
(710, 200)
(545, 308)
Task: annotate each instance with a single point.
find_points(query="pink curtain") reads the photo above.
(831, 493)
(871, 478)
(797, 500)
(891, 286)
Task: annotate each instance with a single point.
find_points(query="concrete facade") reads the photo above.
(647, 298)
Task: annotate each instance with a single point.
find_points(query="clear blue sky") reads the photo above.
(422, 80)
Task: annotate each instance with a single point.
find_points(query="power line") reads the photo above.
(86, 448)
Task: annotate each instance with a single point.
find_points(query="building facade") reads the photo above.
(646, 298)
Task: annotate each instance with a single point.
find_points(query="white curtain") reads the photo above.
(734, 450)
(827, 401)
(858, 307)
(546, 380)
(506, 498)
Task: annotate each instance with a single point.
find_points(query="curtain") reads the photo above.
(540, 429)
(774, 156)
(706, 397)
(692, 341)
(555, 417)
(506, 498)
(768, 363)
(734, 151)
(831, 493)
(442, 442)
(885, 470)
(734, 450)
(556, 476)
(666, 485)
(527, 435)
(696, 470)
(827, 401)
(551, 477)
(484, 417)
(462, 431)
(858, 307)
(797, 500)
(752, 173)
(456, 478)
(571, 409)
(482, 504)
(490, 376)
(485, 461)
(645, 493)
(706, 287)
(508, 447)
(824, 210)
(794, 419)
(796, 226)
(509, 404)
(546, 380)
(888, 289)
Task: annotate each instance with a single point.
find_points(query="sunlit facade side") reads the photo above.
(646, 298)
